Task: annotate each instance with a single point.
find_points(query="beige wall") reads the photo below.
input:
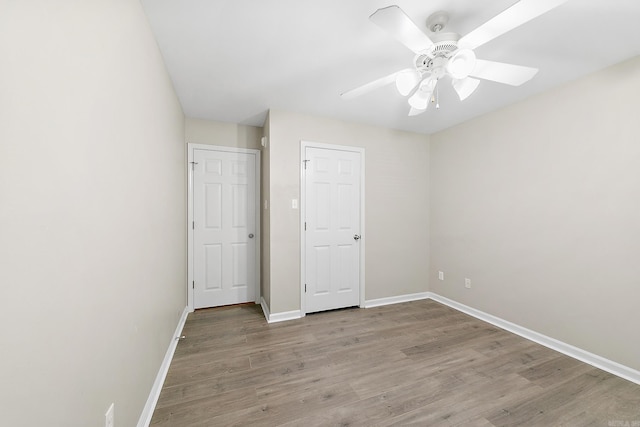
(396, 210)
(200, 131)
(92, 212)
(265, 255)
(539, 205)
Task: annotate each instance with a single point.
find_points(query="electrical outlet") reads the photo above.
(440, 275)
(109, 419)
(467, 283)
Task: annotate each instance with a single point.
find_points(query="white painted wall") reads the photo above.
(539, 205)
(92, 212)
(396, 191)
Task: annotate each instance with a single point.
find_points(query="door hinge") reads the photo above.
(193, 225)
(193, 284)
(305, 288)
(305, 226)
(193, 165)
(305, 163)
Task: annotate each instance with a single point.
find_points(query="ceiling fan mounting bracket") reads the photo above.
(437, 21)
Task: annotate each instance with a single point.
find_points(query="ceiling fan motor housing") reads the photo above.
(436, 57)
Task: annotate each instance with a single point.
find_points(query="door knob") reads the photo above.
(251, 236)
(356, 237)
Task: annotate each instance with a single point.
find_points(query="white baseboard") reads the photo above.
(396, 300)
(152, 400)
(285, 315)
(552, 343)
(279, 317)
(265, 308)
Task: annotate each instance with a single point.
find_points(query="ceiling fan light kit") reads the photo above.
(448, 55)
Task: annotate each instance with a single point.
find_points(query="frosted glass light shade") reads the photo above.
(465, 87)
(420, 100)
(461, 64)
(406, 80)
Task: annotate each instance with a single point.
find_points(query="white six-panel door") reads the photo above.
(332, 228)
(224, 228)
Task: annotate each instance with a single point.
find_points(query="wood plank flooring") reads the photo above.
(418, 363)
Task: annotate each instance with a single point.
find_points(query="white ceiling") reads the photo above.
(232, 60)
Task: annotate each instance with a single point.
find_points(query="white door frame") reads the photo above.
(303, 199)
(191, 147)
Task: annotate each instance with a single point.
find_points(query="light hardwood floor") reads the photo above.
(418, 363)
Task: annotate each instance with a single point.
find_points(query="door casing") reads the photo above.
(190, 276)
(303, 199)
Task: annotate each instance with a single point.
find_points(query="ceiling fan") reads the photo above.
(445, 54)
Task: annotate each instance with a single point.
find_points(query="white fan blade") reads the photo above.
(393, 20)
(465, 87)
(518, 14)
(509, 74)
(383, 81)
(415, 111)
(407, 80)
